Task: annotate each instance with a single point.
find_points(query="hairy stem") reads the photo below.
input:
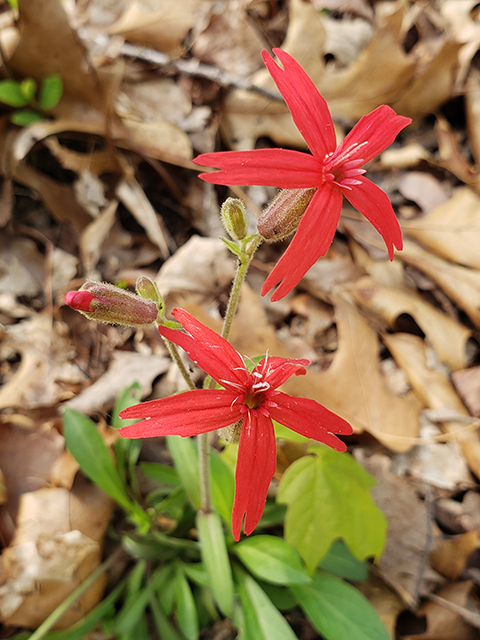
(242, 268)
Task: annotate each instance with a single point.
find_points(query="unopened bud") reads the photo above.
(148, 290)
(282, 216)
(105, 302)
(234, 218)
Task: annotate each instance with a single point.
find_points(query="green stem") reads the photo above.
(204, 472)
(55, 616)
(242, 268)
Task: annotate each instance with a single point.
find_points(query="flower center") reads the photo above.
(343, 166)
(255, 395)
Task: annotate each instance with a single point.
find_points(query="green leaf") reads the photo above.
(148, 549)
(328, 497)
(281, 597)
(234, 248)
(166, 631)
(92, 454)
(215, 559)
(161, 473)
(126, 450)
(186, 463)
(340, 561)
(262, 620)
(206, 607)
(167, 595)
(337, 610)
(51, 92)
(174, 504)
(223, 487)
(135, 606)
(11, 93)
(272, 559)
(186, 610)
(26, 117)
(197, 573)
(28, 88)
(128, 397)
(288, 434)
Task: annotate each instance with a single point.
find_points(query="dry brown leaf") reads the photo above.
(58, 543)
(126, 368)
(442, 622)
(385, 602)
(45, 363)
(227, 38)
(435, 390)
(27, 455)
(354, 388)
(467, 384)
(21, 266)
(449, 555)
(451, 156)
(433, 83)
(93, 237)
(383, 272)
(58, 197)
(472, 112)
(328, 273)
(202, 266)
(448, 338)
(439, 464)
(161, 27)
(461, 284)
(464, 27)
(248, 116)
(364, 85)
(96, 162)
(131, 194)
(451, 230)
(402, 564)
(422, 188)
(45, 29)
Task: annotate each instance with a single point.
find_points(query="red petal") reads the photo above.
(256, 464)
(311, 419)
(375, 205)
(79, 300)
(379, 128)
(282, 369)
(206, 348)
(312, 240)
(185, 414)
(309, 110)
(282, 168)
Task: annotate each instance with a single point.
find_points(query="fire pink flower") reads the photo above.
(250, 397)
(332, 170)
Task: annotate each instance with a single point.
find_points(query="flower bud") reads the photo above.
(282, 216)
(234, 218)
(148, 290)
(105, 302)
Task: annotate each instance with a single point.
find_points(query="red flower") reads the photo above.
(248, 396)
(333, 171)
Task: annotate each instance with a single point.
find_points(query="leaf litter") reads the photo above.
(393, 345)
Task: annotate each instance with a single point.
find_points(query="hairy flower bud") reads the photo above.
(105, 302)
(234, 218)
(148, 290)
(282, 216)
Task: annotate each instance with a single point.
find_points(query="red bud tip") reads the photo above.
(79, 300)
